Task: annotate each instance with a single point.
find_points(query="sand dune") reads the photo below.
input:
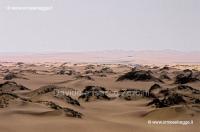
(68, 97)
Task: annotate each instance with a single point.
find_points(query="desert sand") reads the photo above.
(91, 97)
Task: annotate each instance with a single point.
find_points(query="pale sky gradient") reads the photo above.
(87, 25)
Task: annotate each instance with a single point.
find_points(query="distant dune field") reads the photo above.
(123, 57)
(88, 97)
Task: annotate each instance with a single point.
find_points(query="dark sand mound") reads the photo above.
(132, 94)
(191, 95)
(181, 94)
(164, 76)
(103, 72)
(68, 112)
(10, 76)
(42, 90)
(66, 98)
(54, 92)
(187, 89)
(154, 90)
(72, 113)
(165, 68)
(94, 93)
(84, 77)
(89, 67)
(106, 70)
(7, 98)
(20, 63)
(185, 76)
(170, 100)
(14, 75)
(139, 76)
(89, 72)
(196, 74)
(11, 86)
(67, 72)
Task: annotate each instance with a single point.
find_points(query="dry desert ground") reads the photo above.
(84, 97)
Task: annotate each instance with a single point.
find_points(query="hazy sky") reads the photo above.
(79, 25)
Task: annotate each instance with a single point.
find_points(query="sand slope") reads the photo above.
(37, 108)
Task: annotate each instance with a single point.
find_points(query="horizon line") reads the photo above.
(92, 51)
